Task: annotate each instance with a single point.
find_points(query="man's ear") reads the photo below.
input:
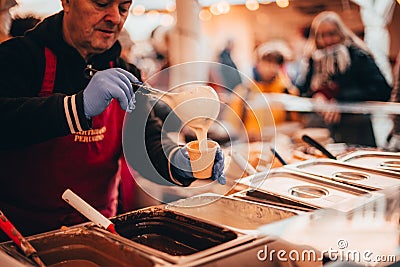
(65, 5)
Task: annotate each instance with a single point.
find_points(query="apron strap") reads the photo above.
(49, 73)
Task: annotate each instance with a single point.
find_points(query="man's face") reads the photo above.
(93, 26)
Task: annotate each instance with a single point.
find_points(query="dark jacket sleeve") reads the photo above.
(363, 81)
(26, 118)
(303, 81)
(146, 146)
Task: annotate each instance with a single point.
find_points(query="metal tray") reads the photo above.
(10, 261)
(374, 159)
(266, 198)
(80, 247)
(306, 191)
(173, 236)
(231, 212)
(355, 175)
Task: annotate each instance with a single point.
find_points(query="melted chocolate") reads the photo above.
(171, 232)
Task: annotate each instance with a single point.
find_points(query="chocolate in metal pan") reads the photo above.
(171, 232)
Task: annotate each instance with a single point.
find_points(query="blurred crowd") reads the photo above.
(336, 67)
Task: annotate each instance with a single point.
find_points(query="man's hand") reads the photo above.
(330, 116)
(182, 170)
(106, 85)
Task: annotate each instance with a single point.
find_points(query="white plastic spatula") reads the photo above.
(88, 211)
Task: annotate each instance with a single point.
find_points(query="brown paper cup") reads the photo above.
(202, 162)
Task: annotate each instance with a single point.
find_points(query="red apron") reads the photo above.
(34, 177)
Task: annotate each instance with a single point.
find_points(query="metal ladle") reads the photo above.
(144, 89)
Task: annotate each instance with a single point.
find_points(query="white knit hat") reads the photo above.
(274, 46)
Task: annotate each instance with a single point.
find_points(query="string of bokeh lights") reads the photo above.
(206, 13)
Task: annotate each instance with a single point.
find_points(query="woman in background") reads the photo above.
(338, 67)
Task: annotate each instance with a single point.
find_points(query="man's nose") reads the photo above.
(113, 14)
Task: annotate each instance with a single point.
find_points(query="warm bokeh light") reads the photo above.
(171, 7)
(219, 8)
(205, 15)
(252, 5)
(215, 10)
(167, 20)
(282, 3)
(138, 10)
(153, 14)
(224, 7)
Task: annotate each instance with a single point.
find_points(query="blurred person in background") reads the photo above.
(20, 25)
(63, 125)
(394, 137)
(160, 41)
(230, 76)
(269, 71)
(338, 67)
(270, 77)
(5, 19)
(126, 45)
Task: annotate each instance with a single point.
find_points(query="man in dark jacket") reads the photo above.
(63, 129)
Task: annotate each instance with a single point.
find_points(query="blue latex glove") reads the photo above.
(182, 171)
(106, 85)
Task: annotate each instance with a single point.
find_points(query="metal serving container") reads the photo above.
(355, 175)
(9, 261)
(250, 254)
(267, 198)
(80, 247)
(242, 216)
(299, 190)
(231, 212)
(173, 236)
(374, 159)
